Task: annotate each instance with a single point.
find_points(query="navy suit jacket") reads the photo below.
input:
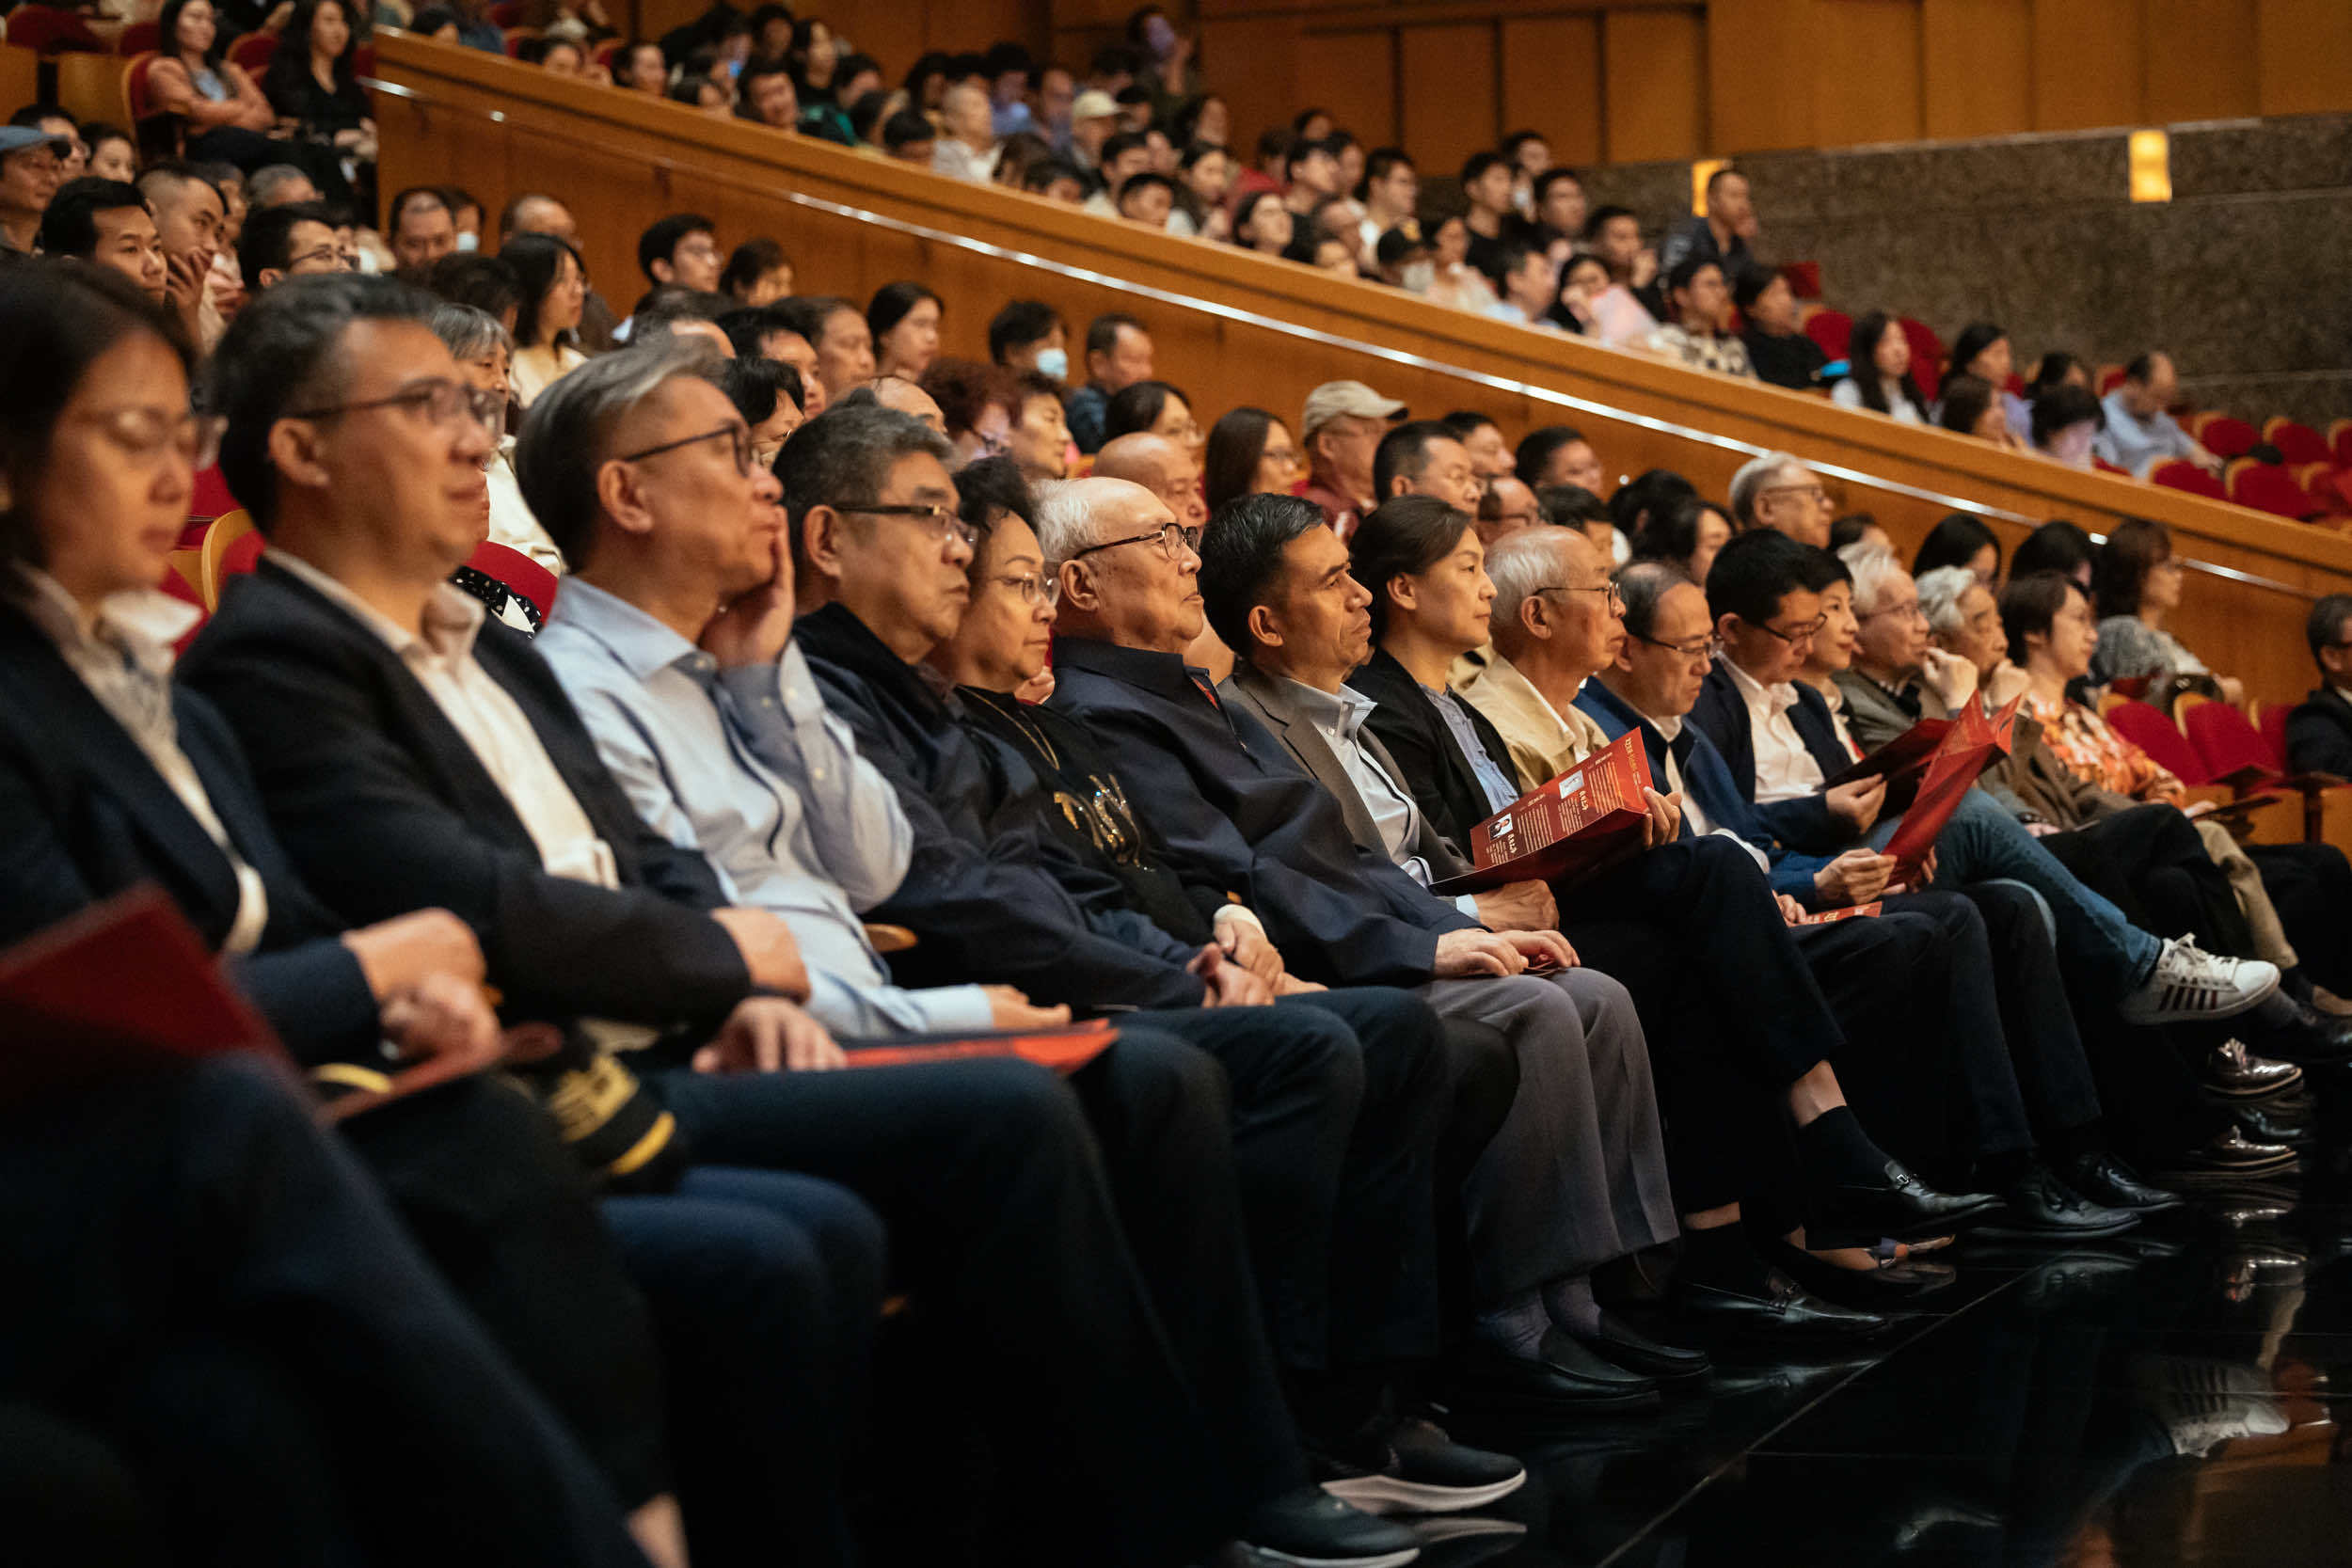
(385, 809)
(1708, 783)
(1722, 715)
(1234, 806)
(2319, 734)
(83, 815)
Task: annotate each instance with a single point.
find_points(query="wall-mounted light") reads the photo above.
(1701, 172)
(2152, 166)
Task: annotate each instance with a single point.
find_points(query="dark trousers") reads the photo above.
(2054, 1082)
(2150, 862)
(224, 1297)
(2310, 886)
(766, 1289)
(1002, 1222)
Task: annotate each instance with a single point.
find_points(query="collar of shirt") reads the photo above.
(642, 644)
(139, 624)
(1765, 702)
(1668, 728)
(1147, 667)
(1338, 713)
(452, 617)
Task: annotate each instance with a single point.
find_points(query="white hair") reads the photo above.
(1064, 524)
(1874, 568)
(1521, 563)
(1750, 481)
(1940, 593)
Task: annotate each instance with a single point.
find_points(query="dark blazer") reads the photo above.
(1722, 715)
(991, 890)
(1706, 782)
(385, 809)
(2319, 734)
(1430, 764)
(1228, 798)
(1274, 706)
(86, 815)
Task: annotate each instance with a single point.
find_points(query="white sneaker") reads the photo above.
(2190, 986)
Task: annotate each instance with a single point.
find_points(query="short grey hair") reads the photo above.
(562, 443)
(1940, 593)
(1065, 522)
(1523, 562)
(469, 331)
(1874, 567)
(1753, 477)
(843, 457)
(262, 185)
(1641, 587)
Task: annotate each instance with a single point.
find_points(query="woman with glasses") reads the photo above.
(2136, 581)
(1251, 453)
(546, 324)
(1155, 409)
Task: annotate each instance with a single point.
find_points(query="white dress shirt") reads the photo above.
(486, 717)
(1784, 768)
(124, 655)
(1692, 812)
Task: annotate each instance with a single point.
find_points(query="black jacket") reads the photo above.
(1722, 715)
(2319, 734)
(992, 894)
(1448, 793)
(85, 816)
(385, 809)
(1236, 811)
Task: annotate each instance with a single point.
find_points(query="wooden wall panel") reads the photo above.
(2302, 55)
(1356, 80)
(1655, 65)
(2200, 59)
(1449, 90)
(1257, 63)
(1865, 68)
(2087, 64)
(1977, 67)
(1552, 82)
(1759, 75)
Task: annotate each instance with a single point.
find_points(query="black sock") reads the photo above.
(1720, 1255)
(2000, 1172)
(1839, 1151)
(2071, 1144)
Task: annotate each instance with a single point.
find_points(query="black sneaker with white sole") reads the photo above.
(1409, 1465)
(1311, 1528)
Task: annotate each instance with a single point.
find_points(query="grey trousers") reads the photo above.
(1578, 1174)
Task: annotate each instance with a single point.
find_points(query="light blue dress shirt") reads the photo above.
(1339, 718)
(2135, 444)
(747, 764)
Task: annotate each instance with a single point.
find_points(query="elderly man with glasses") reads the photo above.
(1777, 492)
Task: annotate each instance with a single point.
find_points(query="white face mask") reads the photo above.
(1419, 276)
(1054, 363)
(469, 242)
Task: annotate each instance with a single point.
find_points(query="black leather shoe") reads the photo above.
(2108, 1181)
(2262, 1125)
(1638, 1353)
(2235, 1072)
(1898, 1204)
(2229, 1155)
(1411, 1465)
(1887, 1288)
(1783, 1310)
(1494, 1386)
(2312, 1038)
(2042, 1205)
(1311, 1526)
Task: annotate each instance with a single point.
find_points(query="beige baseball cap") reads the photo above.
(1335, 399)
(1093, 104)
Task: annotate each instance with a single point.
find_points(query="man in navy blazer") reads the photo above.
(2319, 731)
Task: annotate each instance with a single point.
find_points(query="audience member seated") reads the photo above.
(1778, 348)
(485, 356)
(911, 138)
(836, 331)
(968, 150)
(1250, 452)
(1152, 407)
(2319, 731)
(1982, 351)
(1506, 507)
(1573, 506)
(1880, 377)
(2136, 433)
(681, 250)
(296, 240)
(218, 111)
(1721, 234)
(1559, 454)
(1342, 425)
(1029, 336)
(903, 320)
(421, 229)
(554, 282)
(1960, 539)
(1529, 283)
(2136, 583)
(190, 213)
(1204, 178)
(1452, 280)
(1147, 198)
(1779, 493)
(1685, 533)
(1262, 223)
(1968, 405)
(1482, 438)
(1627, 310)
(2058, 545)
(107, 224)
(1697, 302)
(2064, 424)
(1117, 355)
(313, 86)
(757, 273)
(977, 406)
(1423, 457)
(765, 95)
(768, 395)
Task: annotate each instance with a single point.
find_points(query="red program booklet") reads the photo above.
(1902, 762)
(1065, 1050)
(1586, 819)
(1852, 911)
(1968, 747)
(121, 990)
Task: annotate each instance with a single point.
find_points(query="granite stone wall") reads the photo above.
(2241, 276)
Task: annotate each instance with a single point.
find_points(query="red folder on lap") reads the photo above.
(1967, 749)
(1065, 1050)
(1902, 762)
(1586, 819)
